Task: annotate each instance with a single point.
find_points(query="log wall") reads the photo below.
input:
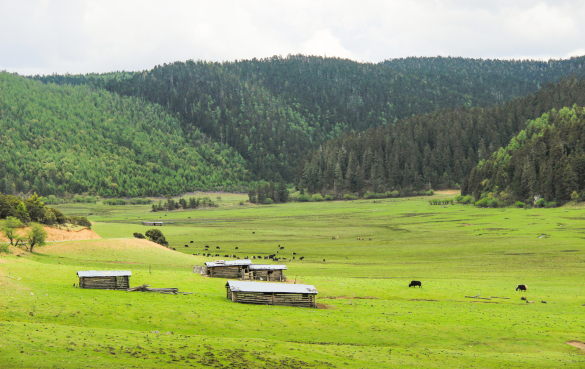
(225, 271)
(280, 299)
(105, 283)
(268, 275)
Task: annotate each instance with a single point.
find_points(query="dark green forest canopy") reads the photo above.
(547, 159)
(436, 150)
(272, 111)
(64, 139)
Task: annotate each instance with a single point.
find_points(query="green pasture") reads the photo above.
(456, 251)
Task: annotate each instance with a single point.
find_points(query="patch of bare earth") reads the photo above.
(112, 244)
(577, 344)
(54, 234)
(324, 306)
(448, 192)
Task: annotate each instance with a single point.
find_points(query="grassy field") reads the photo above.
(456, 251)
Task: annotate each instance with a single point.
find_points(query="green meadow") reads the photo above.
(360, 255)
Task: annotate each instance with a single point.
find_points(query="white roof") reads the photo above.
(220, 263)
(238, 286)
(104, 273)
(267, 267)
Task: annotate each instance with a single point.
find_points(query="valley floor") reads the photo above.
(455, 251)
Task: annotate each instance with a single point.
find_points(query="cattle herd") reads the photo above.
(520, 287)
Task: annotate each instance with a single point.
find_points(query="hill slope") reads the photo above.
(546, 159)
(272, 111)
(59, 139)
(434, 150)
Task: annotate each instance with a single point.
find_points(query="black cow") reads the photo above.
(415, 283)
(191, 242)
(522, 287)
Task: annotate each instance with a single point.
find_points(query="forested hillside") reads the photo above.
(64, 139)
(272, 111)
(547, 159)
(428, 151)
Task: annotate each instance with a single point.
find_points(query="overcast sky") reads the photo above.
(79, 36)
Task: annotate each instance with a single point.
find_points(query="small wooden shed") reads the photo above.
(301, 295)
(152, 224)
(227, 269)
(265, 272)
(104, 279)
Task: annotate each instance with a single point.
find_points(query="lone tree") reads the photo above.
(36, 235)
(11, 224)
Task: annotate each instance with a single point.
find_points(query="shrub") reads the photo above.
(492, 203)
(268, 201)
(81, 221)
(551, 204)
(520, 204)
(329, 198)
(467, 199)
(59, 217)
(482, 203)
(303, 198)
(4, 248)
(348, 196)
(370, 195)
(430, 193)
(394, 193)
(138, 235)
(317, 197)
(541, 203)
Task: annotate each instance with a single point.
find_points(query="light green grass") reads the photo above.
(455, 251)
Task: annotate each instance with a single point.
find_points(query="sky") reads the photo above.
(45, 37)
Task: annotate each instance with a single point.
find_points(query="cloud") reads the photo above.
(81, 36)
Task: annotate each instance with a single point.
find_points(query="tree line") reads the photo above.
(543, 165)
(436, 150)
(62, 140)
(273, 110)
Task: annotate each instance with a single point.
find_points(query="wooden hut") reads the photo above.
(104, 279)
(152, 224)
(301, 295)
(264, 272)
(227, 269)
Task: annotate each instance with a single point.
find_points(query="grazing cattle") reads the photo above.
(174, 249)
(236, 247)
(293, 258)
(259, 257)
(323, 260)
(301, 258)
(253, 257)
(191, 242)
(415, 283)
(253, 232)
(522, 287)
(217, 247)
(370, 238)
(186, 245)
(333, 237)
(294, 253)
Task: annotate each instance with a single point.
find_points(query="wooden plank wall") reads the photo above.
(281, 299)
(105, 283)
(225, 272)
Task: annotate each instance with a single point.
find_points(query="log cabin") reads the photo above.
(301, 295)
(226, 269)
(264, 272)
(104, 279)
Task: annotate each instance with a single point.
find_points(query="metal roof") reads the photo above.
(267, 267)
(221, 263)
(238, 286)
(104, 273)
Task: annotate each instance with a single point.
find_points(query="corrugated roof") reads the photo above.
(267, 267)
(238, 286)
(104, 273)
(221, 263)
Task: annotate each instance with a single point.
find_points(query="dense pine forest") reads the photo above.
(435, 150)
(273, 111)
(66, 139)
(546, 160)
